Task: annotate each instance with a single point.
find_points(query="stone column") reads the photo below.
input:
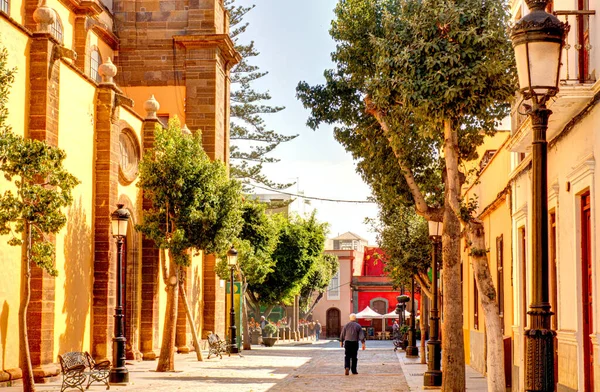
(43, 125)
(106, 172)
(149, 318)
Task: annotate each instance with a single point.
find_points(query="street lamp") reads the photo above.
(538, 40)
(412, 350)
(433, 375)
(232, 261)
(118, 372)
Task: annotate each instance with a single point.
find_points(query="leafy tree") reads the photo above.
(31, 205)
(253, 140)
(300, 247)
(317, 281)
(404, 237)
(194, 206)
(255, 245)
(414, 77)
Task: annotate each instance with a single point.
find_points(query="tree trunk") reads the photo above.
(453, 354)
(268, 311)
(190, 318)
(166, 361)
(423, 331)
(487, 294)
(312, 307)
(246, 340)
(24, 354)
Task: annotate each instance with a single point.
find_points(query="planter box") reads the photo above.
(269, 341)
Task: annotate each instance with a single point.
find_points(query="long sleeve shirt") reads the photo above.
(352, 332)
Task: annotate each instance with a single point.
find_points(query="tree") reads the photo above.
(415, 78)
(31, 208)
(253, 140)
(404, 237)
(255, 244)
(194, 206)
(317, 281)
(300, 247)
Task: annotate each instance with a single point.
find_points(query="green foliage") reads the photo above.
(318, 278)
(404, 237)
(255, 243)
(39, 188)
(270, 329)
(420, 62)
(194, 204)
(300, 247)
(253, 142)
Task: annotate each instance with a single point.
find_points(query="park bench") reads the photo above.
(216, 346)
(77, 367)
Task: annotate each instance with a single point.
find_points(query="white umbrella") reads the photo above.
(393, 314)
(368, 313)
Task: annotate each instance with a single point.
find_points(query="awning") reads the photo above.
(393, 314)
(368, 313)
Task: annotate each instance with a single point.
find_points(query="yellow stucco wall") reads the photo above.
(74, 242)
(10, 257)
(170, 98)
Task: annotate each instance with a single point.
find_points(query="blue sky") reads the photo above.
(294, 44)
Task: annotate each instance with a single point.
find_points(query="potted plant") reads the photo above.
(269, 330)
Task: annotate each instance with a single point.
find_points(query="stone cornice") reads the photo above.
(104, 33)
(221, 41)
(83, 7)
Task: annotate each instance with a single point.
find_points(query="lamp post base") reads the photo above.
(118, 375)
(234, 349)
(412, 351)
(432, 378)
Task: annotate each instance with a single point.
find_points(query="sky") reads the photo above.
(294, 44)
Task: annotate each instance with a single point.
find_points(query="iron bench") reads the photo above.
(77, 367)
(216, 346)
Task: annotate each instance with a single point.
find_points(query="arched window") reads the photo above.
(4, 6)
(57, 29)
(95, 61)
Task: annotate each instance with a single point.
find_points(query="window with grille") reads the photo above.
(333, 291)
(57, 29)
(4, 6)
(95, 61)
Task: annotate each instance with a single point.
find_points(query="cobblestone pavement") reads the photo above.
(284, 367)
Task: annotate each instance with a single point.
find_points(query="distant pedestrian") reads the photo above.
(395, 328)
(317, 330)
(263, 324)
(351, 334)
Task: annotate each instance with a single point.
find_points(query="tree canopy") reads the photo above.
(194, 204)
(252, 140)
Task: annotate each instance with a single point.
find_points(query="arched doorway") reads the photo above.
(379, 305)
(334, 327)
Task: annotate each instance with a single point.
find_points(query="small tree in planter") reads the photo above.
(270, 329)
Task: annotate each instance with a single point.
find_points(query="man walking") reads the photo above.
(317, 330)
(351, 334)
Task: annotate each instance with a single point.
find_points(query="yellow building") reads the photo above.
(86, 72)
(490, 188)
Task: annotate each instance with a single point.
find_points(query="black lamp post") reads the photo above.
(433, 375)
(412, 350)
(118, 372)
(538, 40)
(232, 261)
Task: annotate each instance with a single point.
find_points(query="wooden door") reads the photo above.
(334, 327)
(380, 307)
(586, 286)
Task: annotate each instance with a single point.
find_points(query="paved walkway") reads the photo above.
(303, 367)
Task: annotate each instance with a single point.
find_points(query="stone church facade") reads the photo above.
(94, 77)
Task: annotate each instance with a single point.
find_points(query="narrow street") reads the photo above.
(284, 367)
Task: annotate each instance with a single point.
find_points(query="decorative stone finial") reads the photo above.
(107, 71)
(45, 17)
(151, 106)
(185, 130)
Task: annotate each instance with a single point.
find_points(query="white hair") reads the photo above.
(352, 316)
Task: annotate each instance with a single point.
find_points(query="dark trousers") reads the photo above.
(351, 355)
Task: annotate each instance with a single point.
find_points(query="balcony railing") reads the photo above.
(576, 60)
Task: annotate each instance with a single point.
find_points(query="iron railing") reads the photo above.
(577, 59)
